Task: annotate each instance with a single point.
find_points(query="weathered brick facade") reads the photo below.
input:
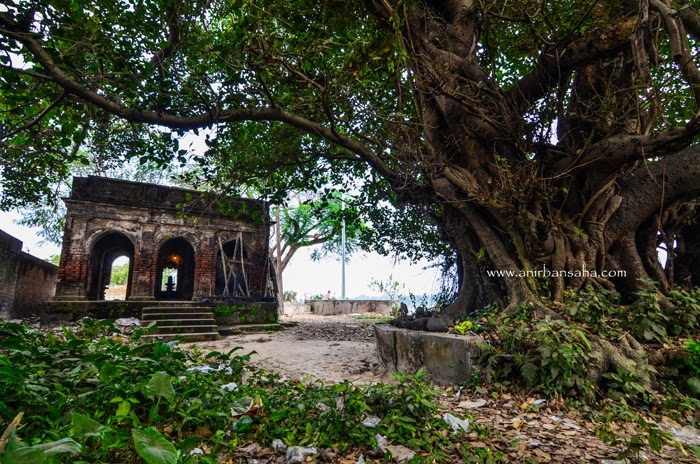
(26, 282)
(159, 227)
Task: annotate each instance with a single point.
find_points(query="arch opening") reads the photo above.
(175, 270)
(116, 289)
(105, 252)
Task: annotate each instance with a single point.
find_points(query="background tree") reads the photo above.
(313, 223)
(524, 134)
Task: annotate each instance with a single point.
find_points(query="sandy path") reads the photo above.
(330, 348)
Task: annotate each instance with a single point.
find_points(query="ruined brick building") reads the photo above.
(202, 246)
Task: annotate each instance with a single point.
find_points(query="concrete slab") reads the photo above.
(447, 358)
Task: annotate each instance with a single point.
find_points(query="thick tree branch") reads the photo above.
(36, 120)
(615, 151)
(650, 188)
(556, 62)
(680, 48)
(205, 119)
(690, 18)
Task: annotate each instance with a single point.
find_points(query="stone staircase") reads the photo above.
(193, 323)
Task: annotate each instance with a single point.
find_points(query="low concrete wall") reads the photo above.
(103, 309)
(296, 308)
(246, 313)
(335, 307)
(447, 358)
(26, 282)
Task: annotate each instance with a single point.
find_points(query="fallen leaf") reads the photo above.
(201, 432)
(545, 456)
(400, 453)
(517, 424)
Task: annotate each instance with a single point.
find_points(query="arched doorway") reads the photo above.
(102, 256)
(175, 271)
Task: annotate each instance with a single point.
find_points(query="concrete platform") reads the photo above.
(106, 309)
(447, 358)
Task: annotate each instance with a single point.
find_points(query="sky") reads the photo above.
(304, 276)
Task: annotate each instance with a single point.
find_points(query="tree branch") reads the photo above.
(173, 39)
(690, 18)
(36, 120)
(615, 151)
(680, 48)
(650, 188)
(556, 62)
(206, 119)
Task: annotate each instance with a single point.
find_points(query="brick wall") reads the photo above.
(10, 249)
(26, 282)
(149, 216)
(36, 285)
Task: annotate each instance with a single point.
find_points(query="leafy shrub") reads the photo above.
(627, 385)
(684, 316)
(598, 308)
(646, 433)
(693, 349)
(646, 317)
(552, 356)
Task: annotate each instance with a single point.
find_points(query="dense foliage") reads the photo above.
(94, 396)
(509, 136)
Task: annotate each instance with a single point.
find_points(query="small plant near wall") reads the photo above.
(463, 327)
(223, 310)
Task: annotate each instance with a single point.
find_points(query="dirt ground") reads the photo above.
(336, 348)
(330, 348)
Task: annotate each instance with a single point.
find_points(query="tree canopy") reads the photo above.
(512, 136)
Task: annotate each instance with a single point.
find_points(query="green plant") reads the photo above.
(463, 327)
(290, 296)
(646, 316)
(392, 288)
(646, 433)
(627, 385)
(226, 310)
(598, 308)
(111, 399)
(693, 349)
(693, 366)
(684, 314)
(552, 356)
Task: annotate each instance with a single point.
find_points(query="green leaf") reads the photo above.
(160, 386)
(17, 451)
(123, 410)
(64, 445)
(84, 426)
(153, 447)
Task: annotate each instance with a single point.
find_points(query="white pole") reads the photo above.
(278, 264)
(342, 242)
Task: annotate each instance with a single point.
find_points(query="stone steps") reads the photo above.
(162, 323)
(192, 323)
(249, 328)
(159, 317)
(173, 309)
(207, 337)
